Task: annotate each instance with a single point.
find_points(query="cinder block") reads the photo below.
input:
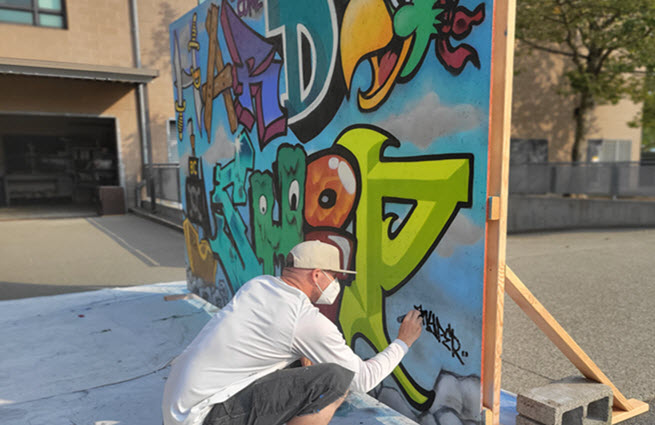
(522, 420)
(571, 401)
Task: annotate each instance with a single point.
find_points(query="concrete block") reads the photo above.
(522, 420)
(571, 401)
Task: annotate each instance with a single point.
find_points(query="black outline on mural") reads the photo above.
(429, 394)
(392, 234)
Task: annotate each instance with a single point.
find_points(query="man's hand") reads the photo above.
(411, 327)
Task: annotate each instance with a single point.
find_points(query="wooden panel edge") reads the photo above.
(487, 416)
(502, 68)
(176, 297)
(638, 407)
(494, 208)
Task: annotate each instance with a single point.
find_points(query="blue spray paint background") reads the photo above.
(450, 282)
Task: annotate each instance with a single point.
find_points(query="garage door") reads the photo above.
(56, 160)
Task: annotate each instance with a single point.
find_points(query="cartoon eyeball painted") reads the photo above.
(294, 195)
(263, 205)
(330, 191)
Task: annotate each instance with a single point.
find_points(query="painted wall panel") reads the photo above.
(363, 124)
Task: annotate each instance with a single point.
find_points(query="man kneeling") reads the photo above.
(235, 370)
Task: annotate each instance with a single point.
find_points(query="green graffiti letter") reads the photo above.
(273, 240)
(438, 187)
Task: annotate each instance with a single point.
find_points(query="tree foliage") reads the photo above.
(648, 116)
(610, 44)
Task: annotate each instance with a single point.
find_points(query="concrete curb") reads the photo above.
(153, 217)
(542, 213)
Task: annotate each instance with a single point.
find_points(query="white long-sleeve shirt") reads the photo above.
(265, 327)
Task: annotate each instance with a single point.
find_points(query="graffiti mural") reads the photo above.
(363, 124)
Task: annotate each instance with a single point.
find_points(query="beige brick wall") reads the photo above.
(77, 97)
(539, 112)
(155, 16)
(609, 123)
(98, 33)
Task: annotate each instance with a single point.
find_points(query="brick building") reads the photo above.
(542, 120)
(85, 96)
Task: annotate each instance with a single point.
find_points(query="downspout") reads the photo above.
(142, 110)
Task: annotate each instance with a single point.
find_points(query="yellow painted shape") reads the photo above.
(366, 27)
(201, 258)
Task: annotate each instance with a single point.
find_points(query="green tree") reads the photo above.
(610, 44)
(648, 116)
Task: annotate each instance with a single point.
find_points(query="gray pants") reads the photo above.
(282, 395)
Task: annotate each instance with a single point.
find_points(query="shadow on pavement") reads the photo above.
(153, 244)
(13, 290)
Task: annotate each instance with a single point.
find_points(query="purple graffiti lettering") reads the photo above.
(255, 78)
(248, 7)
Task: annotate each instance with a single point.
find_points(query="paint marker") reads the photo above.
(401, 318)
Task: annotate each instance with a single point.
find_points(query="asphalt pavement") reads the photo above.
(53, 256)
(599, 285)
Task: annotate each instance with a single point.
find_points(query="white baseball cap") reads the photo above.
(316, 255)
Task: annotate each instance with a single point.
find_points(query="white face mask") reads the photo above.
(330, 294)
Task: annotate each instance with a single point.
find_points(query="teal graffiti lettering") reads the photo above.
(310, 36)
(231, 244)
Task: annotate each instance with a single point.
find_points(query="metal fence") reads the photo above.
(167, 181)
(612, 179)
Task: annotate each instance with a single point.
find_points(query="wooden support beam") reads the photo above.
(638, 407)
(562, 340)
(487, 416)
(493, 209)
(177, 297)
(500, 115)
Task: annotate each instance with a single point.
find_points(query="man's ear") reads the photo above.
(316, 274)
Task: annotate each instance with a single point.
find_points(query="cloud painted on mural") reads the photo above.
(424, 122)
(456, 401)
(221, 148)
(184, 164)
(183, 37)
(461, 232)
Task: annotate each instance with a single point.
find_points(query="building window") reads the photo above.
(604, 150)
(43, 13)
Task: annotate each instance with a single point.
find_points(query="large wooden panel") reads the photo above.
(365, 124)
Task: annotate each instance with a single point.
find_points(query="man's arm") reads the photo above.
(318, 339)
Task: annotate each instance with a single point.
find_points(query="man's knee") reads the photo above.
(339, 377)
